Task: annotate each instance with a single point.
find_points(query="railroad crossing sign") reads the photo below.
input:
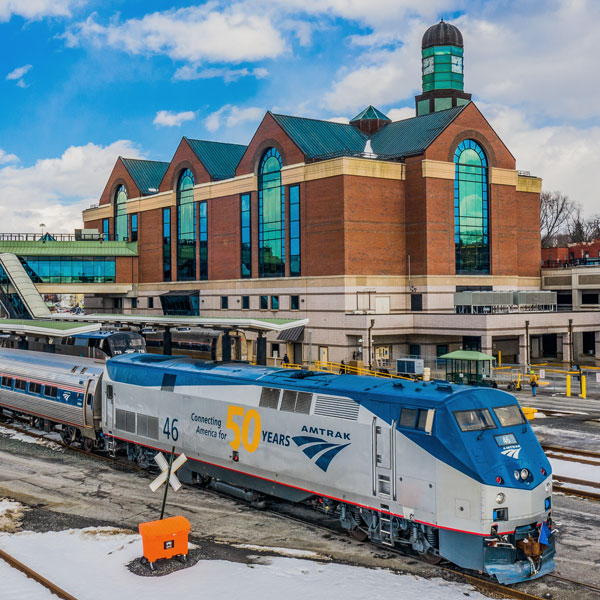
(168, 471)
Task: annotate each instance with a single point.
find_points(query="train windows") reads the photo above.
(269, 398)
(168, 382)
(20, 384)
(35, 388)
(408, 416)
(509, 415)
(109, 392)
(50, 391)
(7, 382)
(475, 419)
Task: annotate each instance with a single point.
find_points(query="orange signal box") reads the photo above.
(165, 539)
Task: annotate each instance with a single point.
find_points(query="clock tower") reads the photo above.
(442, 68)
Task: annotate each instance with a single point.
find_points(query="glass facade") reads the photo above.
(105, 228)
(471, 221)
(180, 305)
(121, 232)
(203, 239)
(67, 269)
(271, 216)
(442, 68)
(166, 244)
(133, 227)
(246, 235)
(186, 228)
(295, 231)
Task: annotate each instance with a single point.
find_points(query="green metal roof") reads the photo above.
(13, 324)
(85, 248)
(218, 158)
(412, 136)
(318, 138)
(147, 174)
(370, 113)
(467, 355)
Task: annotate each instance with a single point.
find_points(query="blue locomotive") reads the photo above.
(453, 472)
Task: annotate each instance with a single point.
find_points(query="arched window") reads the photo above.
(471, 220)
(120, 213)
(186, 228)
(271, 216)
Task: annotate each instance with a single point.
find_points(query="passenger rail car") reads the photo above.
(450, 471)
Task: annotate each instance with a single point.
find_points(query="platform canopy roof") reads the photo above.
(467, 355)
(76, 249)
(46, 328)
(246, 324)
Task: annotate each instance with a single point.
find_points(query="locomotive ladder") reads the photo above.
(385, 526)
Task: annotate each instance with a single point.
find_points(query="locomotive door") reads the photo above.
(384, 459)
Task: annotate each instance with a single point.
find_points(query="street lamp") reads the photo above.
(42, 225)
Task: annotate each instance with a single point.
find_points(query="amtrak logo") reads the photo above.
(323, 451)
(512, 452)
(66, 396)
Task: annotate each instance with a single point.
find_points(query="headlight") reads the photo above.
(524, 474)
(548, 486)
(516, 474)
(500, 498)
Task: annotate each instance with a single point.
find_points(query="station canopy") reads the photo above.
(46, 328)
(247, 324)
(467, 355)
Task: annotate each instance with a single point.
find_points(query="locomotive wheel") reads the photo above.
(358, 534)
(67, 435)
(88, 444)
(430, 558)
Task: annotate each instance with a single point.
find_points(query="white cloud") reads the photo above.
(566, 157)
(19, 72)
(54, 191)
(36, 9)
(342, 120)
(194, 34)
(231, 115)
(190, 72)
(7, 158)
(399, 114)
(166, 118)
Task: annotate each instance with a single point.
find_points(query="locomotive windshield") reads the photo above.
(509, 415)
(475, 419)
(125, 343)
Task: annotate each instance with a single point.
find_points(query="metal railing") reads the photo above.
(59, 237)
(574, 262)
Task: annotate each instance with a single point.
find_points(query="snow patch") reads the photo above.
(283, 551)
(28, 439)
(11, 514)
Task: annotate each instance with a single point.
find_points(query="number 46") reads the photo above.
(171, 431)
(243, 435)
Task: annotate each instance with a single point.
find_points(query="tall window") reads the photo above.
(246, 230)
(186, 228)
(295, 231)
(105, 229)
(203, 238)
(271, 216)
(471, 221)
(133, 227)
(166, 244)
(121, 213)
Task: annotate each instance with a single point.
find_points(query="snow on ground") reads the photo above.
(10, 515)
(28, 439)
(90, 564)
(17, 586)
(568, 468)
(283, 551)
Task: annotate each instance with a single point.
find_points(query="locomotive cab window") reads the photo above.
(474, 420)
(408, 417)
(509, 415)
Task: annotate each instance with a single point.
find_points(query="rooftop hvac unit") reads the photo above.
(410, 366)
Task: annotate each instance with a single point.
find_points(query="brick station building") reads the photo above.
(369, 229)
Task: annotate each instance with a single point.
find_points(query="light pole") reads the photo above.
(42, 225)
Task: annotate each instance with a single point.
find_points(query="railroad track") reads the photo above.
(479, 582)
(19, 566)
(585, 489)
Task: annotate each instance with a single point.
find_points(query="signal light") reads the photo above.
(543, 471)
(499, 480)
(236, 456)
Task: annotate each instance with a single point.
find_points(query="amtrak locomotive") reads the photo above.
(450, 471)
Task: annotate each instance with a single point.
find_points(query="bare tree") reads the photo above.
(557, 216)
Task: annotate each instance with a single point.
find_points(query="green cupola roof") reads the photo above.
(370, 113)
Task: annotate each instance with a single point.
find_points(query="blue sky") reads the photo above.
(83, 81)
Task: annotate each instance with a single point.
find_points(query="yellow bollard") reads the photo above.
(499, 358)
(583, 386)
(568, 386)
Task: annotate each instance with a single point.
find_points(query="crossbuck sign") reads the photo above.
(162, 462)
